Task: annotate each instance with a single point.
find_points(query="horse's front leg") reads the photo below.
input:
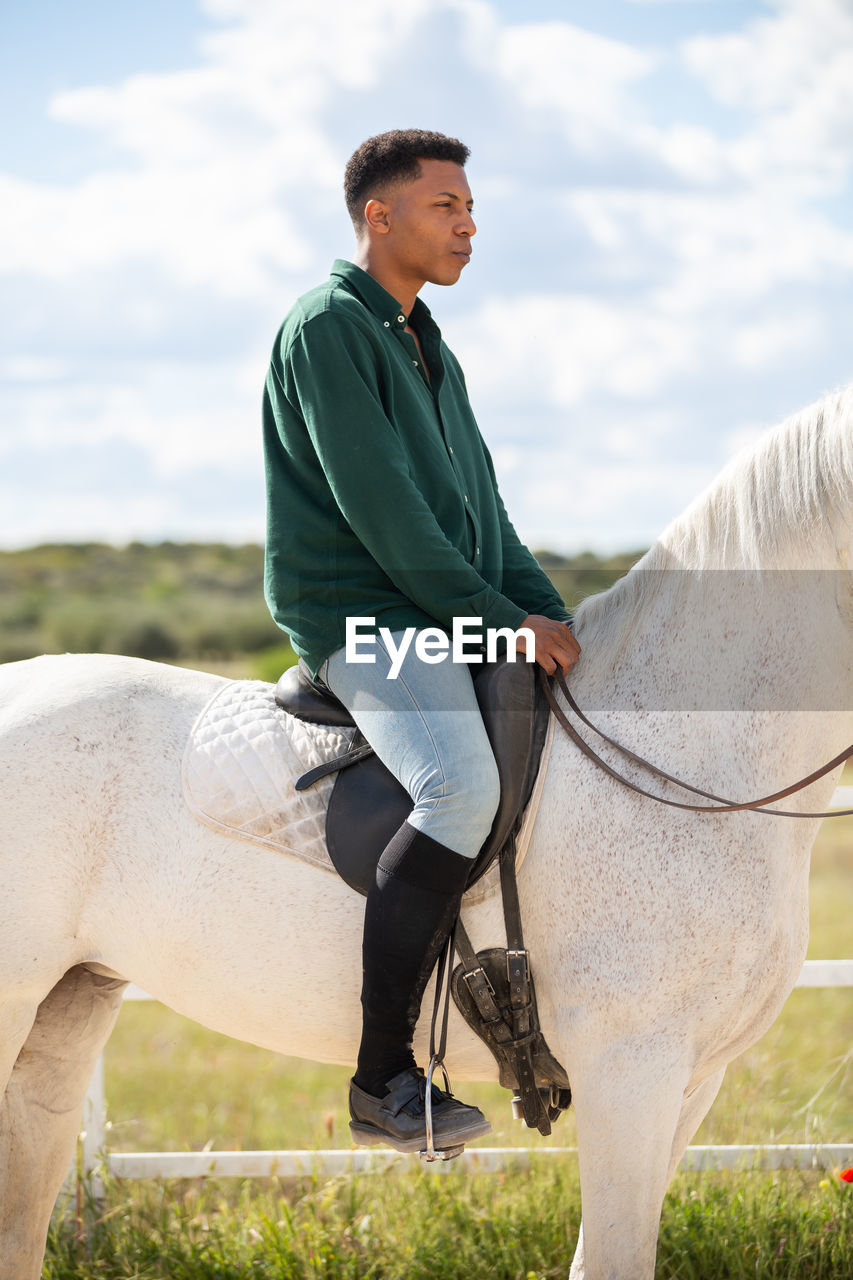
(697, 1104)
(628, 1099)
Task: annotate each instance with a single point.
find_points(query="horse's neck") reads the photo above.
(769, 645)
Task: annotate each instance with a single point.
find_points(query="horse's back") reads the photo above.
(54, 682)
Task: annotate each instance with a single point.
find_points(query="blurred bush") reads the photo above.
(180, 602)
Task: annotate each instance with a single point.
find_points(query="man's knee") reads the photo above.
(477, 788)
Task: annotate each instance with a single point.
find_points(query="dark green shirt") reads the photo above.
(381, 494)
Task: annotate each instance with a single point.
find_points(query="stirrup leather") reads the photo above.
(493, 990)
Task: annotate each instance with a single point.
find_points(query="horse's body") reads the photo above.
(664, 943)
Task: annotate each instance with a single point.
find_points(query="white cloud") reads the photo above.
(794, 72)
(630, 256)
(292, 54)
(583, 77)
(181, 416)
(216, 173)
(711, 247)
(769, 341)
(73, 513)
(208, 162)
(772, 61)
(618, 500)
(561, 349)
(200, 228)
(695, 155)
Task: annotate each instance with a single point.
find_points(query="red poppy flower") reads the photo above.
(846, 1175)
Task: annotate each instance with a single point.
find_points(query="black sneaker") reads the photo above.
(399, 1119)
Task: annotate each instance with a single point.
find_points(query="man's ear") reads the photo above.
(376, 216)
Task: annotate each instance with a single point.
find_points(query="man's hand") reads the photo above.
(555, 644)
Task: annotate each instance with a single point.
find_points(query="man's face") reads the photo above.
(430, 224)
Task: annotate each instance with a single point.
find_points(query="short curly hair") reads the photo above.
(391, 157)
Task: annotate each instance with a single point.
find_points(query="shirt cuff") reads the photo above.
(503, 613)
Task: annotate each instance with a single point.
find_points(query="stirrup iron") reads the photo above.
(430, 1154)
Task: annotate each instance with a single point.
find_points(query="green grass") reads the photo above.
(171, 1085)
(422, 1226)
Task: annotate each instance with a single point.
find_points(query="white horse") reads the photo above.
(664, 943)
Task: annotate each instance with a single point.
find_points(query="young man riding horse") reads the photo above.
(382, 505)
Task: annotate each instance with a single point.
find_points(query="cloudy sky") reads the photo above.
(664, 263)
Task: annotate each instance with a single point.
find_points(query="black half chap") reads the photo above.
(411, 907)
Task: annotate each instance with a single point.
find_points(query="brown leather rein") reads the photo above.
(722, 805)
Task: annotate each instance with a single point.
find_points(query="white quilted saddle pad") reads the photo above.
(243, 757)
(241, 760)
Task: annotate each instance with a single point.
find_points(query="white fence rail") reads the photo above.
(327, 1164)
(294, 1164)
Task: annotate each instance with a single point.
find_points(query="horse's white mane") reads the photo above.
(785, 497)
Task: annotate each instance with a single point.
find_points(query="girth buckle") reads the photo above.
(518, 972)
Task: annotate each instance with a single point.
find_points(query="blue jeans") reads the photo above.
(426, 728)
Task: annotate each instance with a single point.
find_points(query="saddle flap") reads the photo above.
(368, 804)
(516, 718)
(366, 807)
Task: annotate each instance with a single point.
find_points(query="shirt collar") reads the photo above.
(378, 300)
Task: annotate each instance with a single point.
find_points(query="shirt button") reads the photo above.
(477, 552)
(387, 324)
(415, 363)
(466, 497)
(451, 448)
(401, 319)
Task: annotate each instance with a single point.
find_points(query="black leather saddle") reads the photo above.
(368, 804)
